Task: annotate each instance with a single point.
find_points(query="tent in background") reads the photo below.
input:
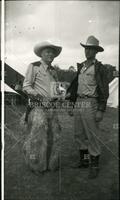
(9, 89)
(15, 64)
(11, 95)
(113, 94)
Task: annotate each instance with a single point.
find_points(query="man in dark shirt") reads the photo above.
(89, 91)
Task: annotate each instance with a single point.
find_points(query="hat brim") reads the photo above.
(38, 49)
(98, 48)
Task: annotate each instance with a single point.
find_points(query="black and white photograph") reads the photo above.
(60, 85)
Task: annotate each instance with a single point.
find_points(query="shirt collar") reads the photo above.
(45, 66)
(92, 63)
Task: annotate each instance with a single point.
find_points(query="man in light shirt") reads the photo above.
(41, 149)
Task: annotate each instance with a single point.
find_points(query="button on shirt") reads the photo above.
(87, 85)
(38, 80)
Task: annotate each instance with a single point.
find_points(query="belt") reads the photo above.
(85, 96)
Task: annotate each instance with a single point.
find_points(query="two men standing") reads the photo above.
(89, 90)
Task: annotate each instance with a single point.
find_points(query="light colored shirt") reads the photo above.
(86, 81)
(38, 80)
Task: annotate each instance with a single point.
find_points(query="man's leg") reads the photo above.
(35, 146)
(92, 133)
(94, 147)
(81, 141)
(54, 157)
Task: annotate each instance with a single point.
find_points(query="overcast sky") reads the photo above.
(66, 23)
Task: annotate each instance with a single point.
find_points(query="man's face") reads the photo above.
(90, 53)
(48, 55)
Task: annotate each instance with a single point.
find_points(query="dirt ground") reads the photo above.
(66, 183)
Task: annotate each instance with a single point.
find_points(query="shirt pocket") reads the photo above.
(41, 74)
(90, 77)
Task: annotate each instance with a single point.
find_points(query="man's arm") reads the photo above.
(102, 88)
(28, 81)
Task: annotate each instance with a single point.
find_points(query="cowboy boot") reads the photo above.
(84, 160)
(94, 167)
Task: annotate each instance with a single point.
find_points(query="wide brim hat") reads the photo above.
(93, 43)
(43, 45)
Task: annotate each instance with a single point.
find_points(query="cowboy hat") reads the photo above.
(43, 45)
(93, 42)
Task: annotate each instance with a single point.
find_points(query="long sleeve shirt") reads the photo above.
(39, 79)
(86, 81)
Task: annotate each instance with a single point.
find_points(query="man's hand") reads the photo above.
(99, 116)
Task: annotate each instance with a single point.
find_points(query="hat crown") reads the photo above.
(92, 41)
(42, 45)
